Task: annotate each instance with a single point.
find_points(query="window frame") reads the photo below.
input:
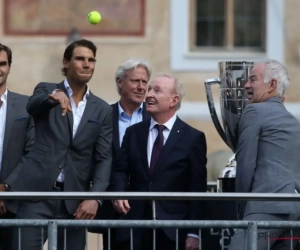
(182, 58)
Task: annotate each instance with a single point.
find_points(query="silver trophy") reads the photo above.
(233, 99)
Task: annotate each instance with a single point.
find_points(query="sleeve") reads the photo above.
(102, 157)
(39, 103)
(246, 154)
(27, 147)
(119, 177)
(198, 177)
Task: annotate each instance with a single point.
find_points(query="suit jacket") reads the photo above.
(116, 136)
(85, 158)
(18, 140)
(181, 167)
(268, 158)
(107, 211)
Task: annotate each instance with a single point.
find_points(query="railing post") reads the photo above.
(52, 235)
(252, 236)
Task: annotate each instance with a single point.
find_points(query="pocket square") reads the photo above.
(94, 121)
(20, 118)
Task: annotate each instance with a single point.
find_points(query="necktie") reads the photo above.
(157, 146)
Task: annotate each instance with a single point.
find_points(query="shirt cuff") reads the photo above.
(193, 235)
(100, 202)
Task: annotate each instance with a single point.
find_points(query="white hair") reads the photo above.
(178, 88)
(129, 65)
(275, 70)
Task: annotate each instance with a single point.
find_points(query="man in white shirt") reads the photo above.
(16, 140)
(72, 149)
(162, 154)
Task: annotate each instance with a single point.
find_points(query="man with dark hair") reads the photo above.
(72, 149)
(16, 139)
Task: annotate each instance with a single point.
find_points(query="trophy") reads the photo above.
(233, 99)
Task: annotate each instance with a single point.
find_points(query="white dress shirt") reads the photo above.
(77, 115)
(151, 139)
(153, 134)
(3, 111)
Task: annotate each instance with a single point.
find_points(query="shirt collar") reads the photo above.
(169, 124)
(70, 92)
(121, 110)
(4, 96)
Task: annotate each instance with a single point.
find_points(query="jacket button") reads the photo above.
(60, 166)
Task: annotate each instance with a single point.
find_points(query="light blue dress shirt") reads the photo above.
(125, 120)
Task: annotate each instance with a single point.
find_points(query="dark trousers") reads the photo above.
(112, 241)
(32, 238)
(143, 238)
(6, 233)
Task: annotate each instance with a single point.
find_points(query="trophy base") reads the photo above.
(226, 185)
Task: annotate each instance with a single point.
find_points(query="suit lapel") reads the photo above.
(116, 137)
(176, 133)
(69, 114)
(88, 111)
(10, 116)
(146, 115)
(142, 147)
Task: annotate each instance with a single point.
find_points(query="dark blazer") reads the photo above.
(116, 136)
(86, 158)
(181, 167)
(107, 211)
(18, 140)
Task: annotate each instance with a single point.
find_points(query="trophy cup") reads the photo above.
(233, 99)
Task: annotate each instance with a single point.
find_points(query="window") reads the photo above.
(204, 32)
(228, 24)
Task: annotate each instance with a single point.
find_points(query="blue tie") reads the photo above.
(157, 146)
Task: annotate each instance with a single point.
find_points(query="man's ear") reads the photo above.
(65, 63)
(175, 100)
(273, 85)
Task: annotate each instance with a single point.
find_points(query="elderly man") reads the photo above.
(131, 79)
(268, 159)
(161, 154)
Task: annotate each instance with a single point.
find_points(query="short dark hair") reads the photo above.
(8, 52)
(80, 43)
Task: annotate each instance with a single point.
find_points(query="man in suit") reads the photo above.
(16, 140)
(131, 79)
(162, 154)
(72, 148)
(268, 159)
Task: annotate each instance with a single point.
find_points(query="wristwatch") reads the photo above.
(56, 90)
(7, 187)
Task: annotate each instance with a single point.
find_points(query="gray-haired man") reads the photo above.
(131, 80)
(268, 159)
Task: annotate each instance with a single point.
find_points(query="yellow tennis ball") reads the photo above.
(94, 17)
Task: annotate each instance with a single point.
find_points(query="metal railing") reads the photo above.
(53, 225)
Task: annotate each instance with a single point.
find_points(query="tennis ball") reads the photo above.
(94, 17)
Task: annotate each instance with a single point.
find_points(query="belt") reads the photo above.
(58, 186)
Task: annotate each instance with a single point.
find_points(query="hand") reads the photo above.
(64, 101)
(191, 243)
(2, 208)
(2, 187)
(87, 210)
(121, 206)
